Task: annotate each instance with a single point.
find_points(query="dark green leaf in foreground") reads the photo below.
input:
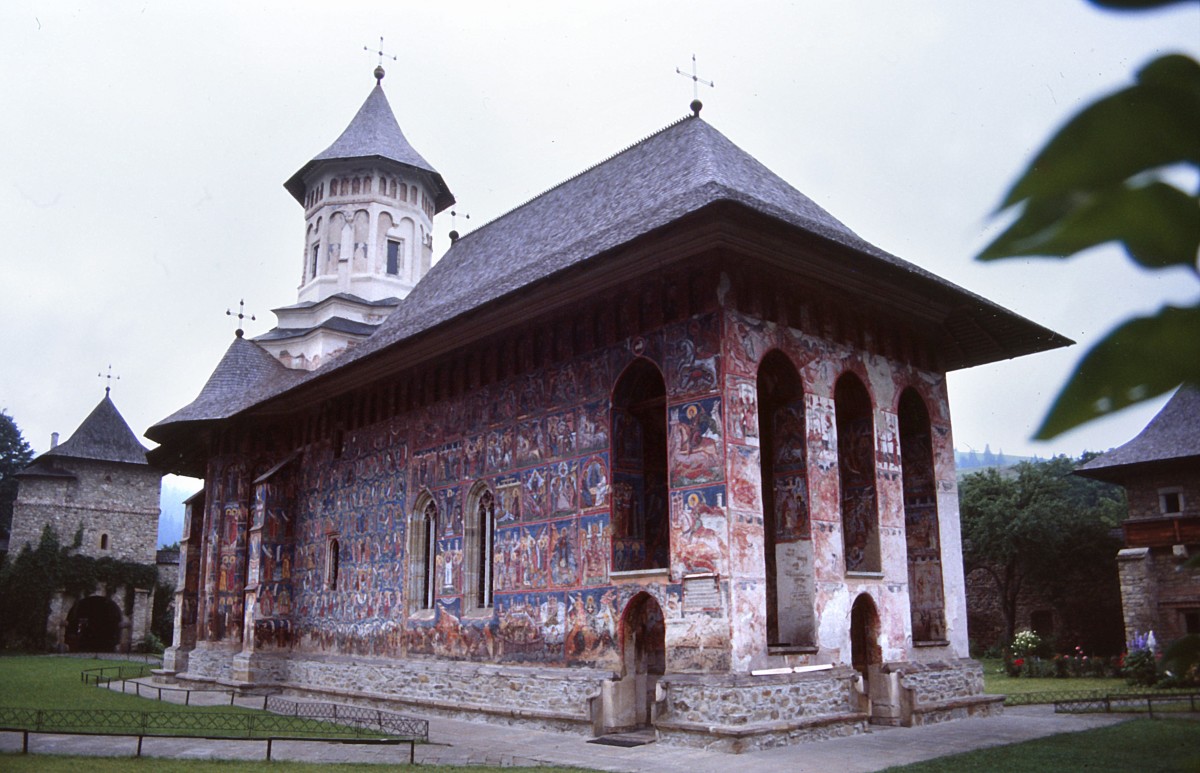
(1149, 125)
(1158, 224)
(1134, 5)
(1141, 358)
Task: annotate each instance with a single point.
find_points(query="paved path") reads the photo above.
(456, 742)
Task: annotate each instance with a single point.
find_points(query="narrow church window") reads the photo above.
(921, 529)
(856, 465)
(403, 192)
(422, 554)
(393, 257)
(356, 186)
(332, 559)
(641, 533)
(787, 542)
(316, 253)
(104, 542)
(367, 184)
(1170, 501)
(479, 548)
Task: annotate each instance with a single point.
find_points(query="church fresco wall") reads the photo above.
(820, 362)
(541, 443)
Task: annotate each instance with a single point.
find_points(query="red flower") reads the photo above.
(1019, 662)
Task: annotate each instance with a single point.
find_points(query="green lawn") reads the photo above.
(49, 682)
(997, 682)
(1143, 745)
(35, 763)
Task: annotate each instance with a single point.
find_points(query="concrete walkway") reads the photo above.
(455, 742)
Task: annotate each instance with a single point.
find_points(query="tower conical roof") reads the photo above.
(374, 133)
(103, 436)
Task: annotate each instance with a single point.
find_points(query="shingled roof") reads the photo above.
(1172, 435)
(103, 436)
(375, 134)
(674, 172)
(244, 376)
(678, 171)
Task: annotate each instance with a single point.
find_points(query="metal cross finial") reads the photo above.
(379, 68)
(696, 81)
(453, 220)
(241, 315)
(109, 378)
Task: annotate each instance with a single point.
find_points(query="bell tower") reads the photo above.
(369, 201)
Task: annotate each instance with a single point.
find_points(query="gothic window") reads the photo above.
(422, 552)
(921, 531)
(479, 547)
(856, 465)
(393, 256)
(787, 542)
(332, 564)
(641, 534)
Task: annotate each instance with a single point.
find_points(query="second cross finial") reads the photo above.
(241, 315)
(696, 81)
(379, 71)
(108, 378)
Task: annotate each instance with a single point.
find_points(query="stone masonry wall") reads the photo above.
(933, 683)
(749, 700)
(105, 498)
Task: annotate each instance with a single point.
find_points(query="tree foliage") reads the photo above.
(1046, 530)
(1107, 176)
(15, 454)
(29, 580)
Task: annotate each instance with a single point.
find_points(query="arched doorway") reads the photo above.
(864, 635)
(94, 625)
(643, 660)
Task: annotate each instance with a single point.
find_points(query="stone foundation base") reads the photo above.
(720, 712)
(739, 712)
(927, 693)
(735, 740)
(549, 698)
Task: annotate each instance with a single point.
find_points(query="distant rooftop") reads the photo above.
(1172, 435)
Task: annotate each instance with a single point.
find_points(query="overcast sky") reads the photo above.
(143, 147)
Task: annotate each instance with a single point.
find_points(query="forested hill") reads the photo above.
(972, 460)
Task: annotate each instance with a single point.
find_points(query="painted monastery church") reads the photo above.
(666, 446)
